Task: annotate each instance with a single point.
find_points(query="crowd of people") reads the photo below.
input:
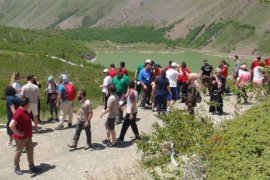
(154, 88)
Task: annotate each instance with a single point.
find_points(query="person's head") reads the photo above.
(235, 58)
(205, 62)
(222, 62)
(243, 67)
(25, 103)
(148, 61)
(170, 63)
(81, 94)
(183, 64)
(131, 84)
(29, 78)
(218, 72)
(153, 63)
(112, 88)
(112, 66)
(147, 66)
(106, 72)
(63, 78)
(163, 74)
(259, 58)
(156, 66)
(193, 77)
(174, 65)
(16, 76)
(10, 91)
(122, 64)
(50, 79)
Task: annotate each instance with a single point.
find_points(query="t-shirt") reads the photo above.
(113, 103)
(52, 89)
(12, 100)
(106, 82)
(236, 67)
(133, 97)
(124, 71)
(156, 73)
(167, 68)
(183, 77)
(139, 68)
(121, 84)
(145, 76)
(31, 91)
(224, 70)
(84, 110)
(18, 88)
(24, 123)
(112, 72)
(267, 62)
(62, 90)
(257, 73)
(206, 69)
(244, 77)
(161, 86)
(254, 64)
(172, 75)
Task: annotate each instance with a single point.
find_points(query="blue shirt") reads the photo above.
(161, 86)
(145, 76)
(62, 90)
(12, 100)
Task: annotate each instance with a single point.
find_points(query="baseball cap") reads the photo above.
(63, 77)
(174, 64)
(205, 61)
(50, 78)
(148, 61)
(106, 70)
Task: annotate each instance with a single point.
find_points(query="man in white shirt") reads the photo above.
(106, 82)
(172, 74)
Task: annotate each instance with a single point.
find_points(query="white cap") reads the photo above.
(106, 70)
(63, 77)
(148, 61)
(174, 64)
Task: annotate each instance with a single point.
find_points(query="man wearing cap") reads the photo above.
(145, 78)
(205, 76)
(63, 104)
(106, 82)
(242, 82)
(51, 94)
(172, 74)
(137, 72)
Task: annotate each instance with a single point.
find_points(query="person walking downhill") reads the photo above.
(13, 102)
(51, 96)
(182, 83)
(160, 91)
(84, 117)
(15, 83)
(65, 97)
(112, 110)
(106, 82)
(31, 91)
(145, 78)
(130, 118)
(206, 74)
(192, 90)
(121, 83)
(172, 74)
(242, 82)
(21, 127)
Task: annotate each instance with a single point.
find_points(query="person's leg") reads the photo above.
(149, 90)
(20, 145)
(107, 129)
(184, 90)
(159, 104)
(112, 129)
(125, 127)
(88, 135)
(220, 104)
(178, 89)
(63, 112)
(164, 103)
(174, 96)
(30, 152)
(55, 109)
(70, 112)
(144, 96)
(51, 105)
(134, 126)
(77, 134)
(113, 136)
(38, 115)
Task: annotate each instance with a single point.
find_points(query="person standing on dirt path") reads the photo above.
(65, 97)
(112, 71)
(51, 96)
(112, 111)
(84, 117)
(236, 67)
(206, 74)
(21, 127)
(123, 68)
(132, 110)
(156, 71)
(15, 83)
(254, 64)
(145, 78)
(172, 74)
(192, 90)
(36, 82)
(106, 82)
(242, 82)
(13, 102)
(121, 83)
(182, 83)
(31, 91)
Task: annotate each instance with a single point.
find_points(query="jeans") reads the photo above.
(126, 125)
(66, 109)
(53, 108)
(79, 128)
(105, 100)
(146, 94)
(20, 145)
(161, 103)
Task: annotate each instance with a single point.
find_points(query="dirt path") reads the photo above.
(58, 162)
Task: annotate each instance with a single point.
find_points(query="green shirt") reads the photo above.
(139, 68)
(121, 84)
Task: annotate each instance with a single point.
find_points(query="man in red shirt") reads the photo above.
(254, 64)
(182, 83)
(123, 68)
(267, 62)
(224, 68)
(21, 126)
(112, 71)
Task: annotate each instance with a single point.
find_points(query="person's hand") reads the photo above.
(86, 124)
(131, 117)
(101, 86)
(101, 115)
(123, 108)
(21, 134)
(57, 105)
(145, 87)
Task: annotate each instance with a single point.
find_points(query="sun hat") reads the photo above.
(106, 70)
(244, 66)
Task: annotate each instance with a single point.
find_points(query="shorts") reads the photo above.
(206, 80)
(34, 109)
(110, 123)
(258, 81)
(174, 94)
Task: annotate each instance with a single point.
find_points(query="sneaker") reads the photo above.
(106, 141)
(88, 146)
(69, 125)
(50, 119)
(18, 172)
(34, 170)
(9, 144)
(73, 146)
(119, 140)
(61, 126)
(112, 145)
(137, 138)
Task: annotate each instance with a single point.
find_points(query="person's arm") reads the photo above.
(87, 123)
(238, 82)
(133, 104)
(154, 89)
(169, 90)
(136, 74)
(13, 128)
(12, 108)
(141, 80)
(180, 72)
(201, 75)
(105, 112)
(59, 96)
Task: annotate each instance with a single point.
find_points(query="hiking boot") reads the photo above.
(60, 127)
(34, 170)
(88, 146)
(72, 146)
(18, 172)
(69, 125)
(106, 141)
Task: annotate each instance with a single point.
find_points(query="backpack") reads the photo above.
(70, 92)
(198, 97)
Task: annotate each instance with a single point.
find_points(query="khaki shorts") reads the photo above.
(34, 109)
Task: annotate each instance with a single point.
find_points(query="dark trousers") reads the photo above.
(146, 94)
(138, 88)
(126, 125)
(38, 110)
(53, 108)
(79, 128)
(161, 103)
(182, 89)
(217, 101)
(242, 93)
(105, 100)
